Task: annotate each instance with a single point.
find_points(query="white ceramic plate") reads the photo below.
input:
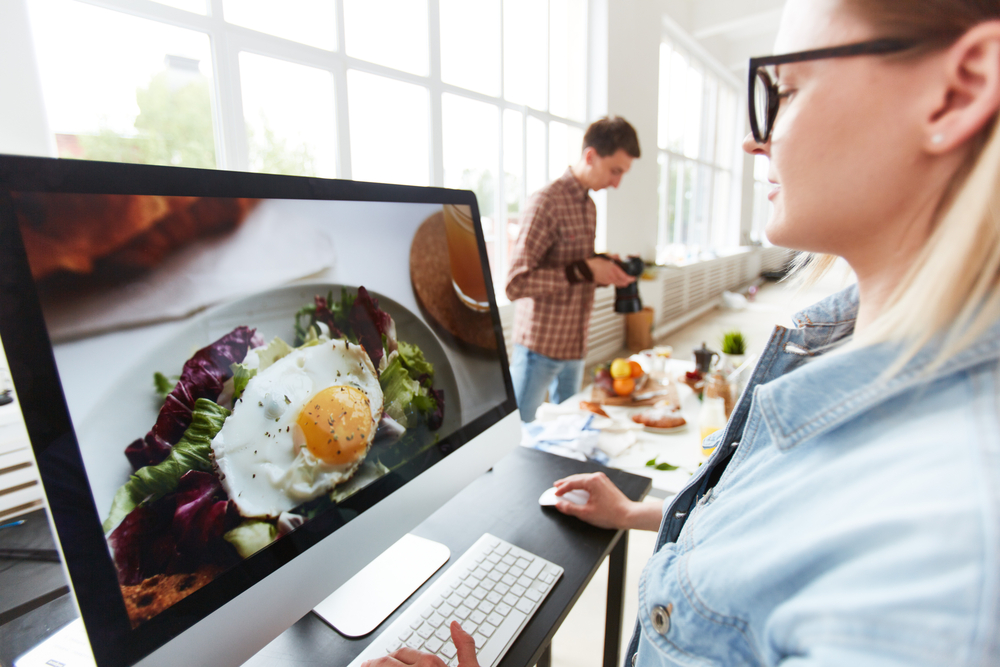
(130, 408)
(666, 431)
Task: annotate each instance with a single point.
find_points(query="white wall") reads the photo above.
(23, 126)
(634, 32)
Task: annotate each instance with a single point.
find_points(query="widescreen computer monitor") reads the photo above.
(241, 388)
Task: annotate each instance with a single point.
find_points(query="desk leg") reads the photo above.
(616, 602)
(546, 658)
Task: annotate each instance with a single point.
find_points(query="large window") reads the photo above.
(697, 139)
(489, 95)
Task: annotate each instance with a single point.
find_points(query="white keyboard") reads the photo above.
(492, 590)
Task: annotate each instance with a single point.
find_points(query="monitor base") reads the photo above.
(370, 596)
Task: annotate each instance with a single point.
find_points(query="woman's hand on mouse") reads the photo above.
(465, 645)
(607, 506)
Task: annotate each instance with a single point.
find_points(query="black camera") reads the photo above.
(627, 298)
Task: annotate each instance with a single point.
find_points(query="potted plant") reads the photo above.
(734, 350)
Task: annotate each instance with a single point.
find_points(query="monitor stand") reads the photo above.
(370, 596)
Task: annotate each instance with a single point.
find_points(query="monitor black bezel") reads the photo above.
(49, 425)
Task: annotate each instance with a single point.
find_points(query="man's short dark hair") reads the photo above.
(608, 135)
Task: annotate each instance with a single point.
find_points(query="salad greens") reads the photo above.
(192, 452)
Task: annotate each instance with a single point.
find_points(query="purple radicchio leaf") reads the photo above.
(436, 418)
(178, 533)
(325, 315)
(202, 377)
(369, 324)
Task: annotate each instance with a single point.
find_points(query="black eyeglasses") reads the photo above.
(763, 93)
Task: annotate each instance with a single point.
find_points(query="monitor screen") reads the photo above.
(219, 371)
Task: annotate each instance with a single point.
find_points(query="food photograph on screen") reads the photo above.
(235, 368)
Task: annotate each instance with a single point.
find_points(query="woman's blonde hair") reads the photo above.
(951, 290)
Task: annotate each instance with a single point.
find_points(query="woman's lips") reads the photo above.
(774, 192)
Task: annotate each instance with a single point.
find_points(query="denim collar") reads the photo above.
(830, 389)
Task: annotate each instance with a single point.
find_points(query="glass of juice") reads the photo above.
(711, 418)
(463, 255)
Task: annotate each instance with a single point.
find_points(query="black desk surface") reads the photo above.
(503, 502)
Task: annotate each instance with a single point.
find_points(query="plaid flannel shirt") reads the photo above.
(558, 228)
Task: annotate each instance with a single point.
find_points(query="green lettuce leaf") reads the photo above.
(251, 536)
(192, 452)
(241, 376)
(413, 359)
(273, 351)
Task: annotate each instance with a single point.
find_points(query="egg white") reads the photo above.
(261, 452)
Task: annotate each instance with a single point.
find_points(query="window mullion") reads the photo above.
(436, 152)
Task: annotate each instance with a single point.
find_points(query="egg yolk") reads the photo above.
(337, 423)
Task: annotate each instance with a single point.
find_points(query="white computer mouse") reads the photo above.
(576, 496)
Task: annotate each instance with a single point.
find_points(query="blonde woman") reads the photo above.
(850, 514)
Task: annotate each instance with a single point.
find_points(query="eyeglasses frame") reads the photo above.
(873, 47)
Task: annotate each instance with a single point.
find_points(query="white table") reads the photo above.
(681, 448)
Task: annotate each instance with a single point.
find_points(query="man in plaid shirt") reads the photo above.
(553, 269)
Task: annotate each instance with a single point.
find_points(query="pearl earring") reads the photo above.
(937, 139)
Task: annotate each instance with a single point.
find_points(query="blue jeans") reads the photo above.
(534, 373)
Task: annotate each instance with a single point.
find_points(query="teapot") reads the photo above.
(703, 359)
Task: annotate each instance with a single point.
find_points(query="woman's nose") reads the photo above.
(751, 146)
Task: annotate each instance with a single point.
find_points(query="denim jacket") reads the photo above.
(843, 519)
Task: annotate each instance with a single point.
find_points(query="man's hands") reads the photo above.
(606, 272)
(407, 656)
(607, 506)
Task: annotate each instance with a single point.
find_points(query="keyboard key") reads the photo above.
(479, 573)
(425, 630)
(495, 575)
(548, 577)
(436, 619)
(463, 592)
(426, 613)
(501, 589)
(532, 570)
(463, 612)
(523, 563)
(449, 650)
(479, 593)
(524, 581)
(403, 636)
(446, 610)
(433, 645)
(533, 595)
(416, 623)
(394, 645)
(480, 639)
(508, 560)
(494, 619)
(509, 580)
(454, 599)
(486, 607)
(477, 616)
(487, 629)
(493, 558)
(414, 642)
(525, 605)
(443, 633)
(516, 571)
(491, 651)
(437, 602)
(502, 568)
(493, 596)
(517, 590)
(502, 609)
(510, 599)
(488, 584)
(502, 549)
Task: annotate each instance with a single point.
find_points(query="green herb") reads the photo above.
(163, 384)
(733, 342)
(651, 463)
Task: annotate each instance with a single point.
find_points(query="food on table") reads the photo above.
(624, 386)
(659, 417)
(636, 369)
(593, 407)
(621, 368)
(603, 380)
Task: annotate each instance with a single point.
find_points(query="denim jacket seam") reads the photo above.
(655, 641)
(700, 607)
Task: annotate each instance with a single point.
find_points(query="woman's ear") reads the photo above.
(972, 89)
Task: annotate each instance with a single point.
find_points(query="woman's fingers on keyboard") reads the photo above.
(406, 656)
(465, 645)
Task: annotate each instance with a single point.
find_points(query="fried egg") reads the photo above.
(303, 425)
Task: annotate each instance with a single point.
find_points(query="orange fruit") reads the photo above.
(624, 386)
(636, 369)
